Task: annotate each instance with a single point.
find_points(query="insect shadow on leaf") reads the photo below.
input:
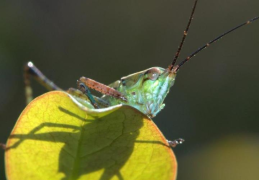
(103, 143)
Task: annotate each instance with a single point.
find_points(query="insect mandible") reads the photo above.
(145, 90)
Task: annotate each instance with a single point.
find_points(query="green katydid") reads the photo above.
(144, 90)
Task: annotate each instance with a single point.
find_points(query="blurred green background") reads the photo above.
(214, 102)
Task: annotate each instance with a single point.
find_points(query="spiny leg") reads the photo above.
(174, 143)
(84, 84)
(106, 90)
(32, 71)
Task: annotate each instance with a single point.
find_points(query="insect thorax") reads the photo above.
(145, 90)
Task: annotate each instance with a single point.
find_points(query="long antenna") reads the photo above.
(212, 41)
(183, 38)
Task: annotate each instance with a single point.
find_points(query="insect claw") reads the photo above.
(174, 143)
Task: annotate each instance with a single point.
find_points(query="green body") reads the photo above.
(145, 90)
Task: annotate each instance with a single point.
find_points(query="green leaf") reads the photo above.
(55, 139)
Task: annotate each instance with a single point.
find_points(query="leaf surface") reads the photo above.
(55, 139)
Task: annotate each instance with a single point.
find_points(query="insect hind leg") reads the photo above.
(30, 70)
(85, 84)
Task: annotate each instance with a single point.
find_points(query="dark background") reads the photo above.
(214, 102)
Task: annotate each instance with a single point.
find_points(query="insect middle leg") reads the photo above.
(82, 87)
(79, 94)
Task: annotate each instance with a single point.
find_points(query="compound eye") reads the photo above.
(153, 74)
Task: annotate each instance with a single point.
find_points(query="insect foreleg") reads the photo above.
(32, 71)
(175, 142)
